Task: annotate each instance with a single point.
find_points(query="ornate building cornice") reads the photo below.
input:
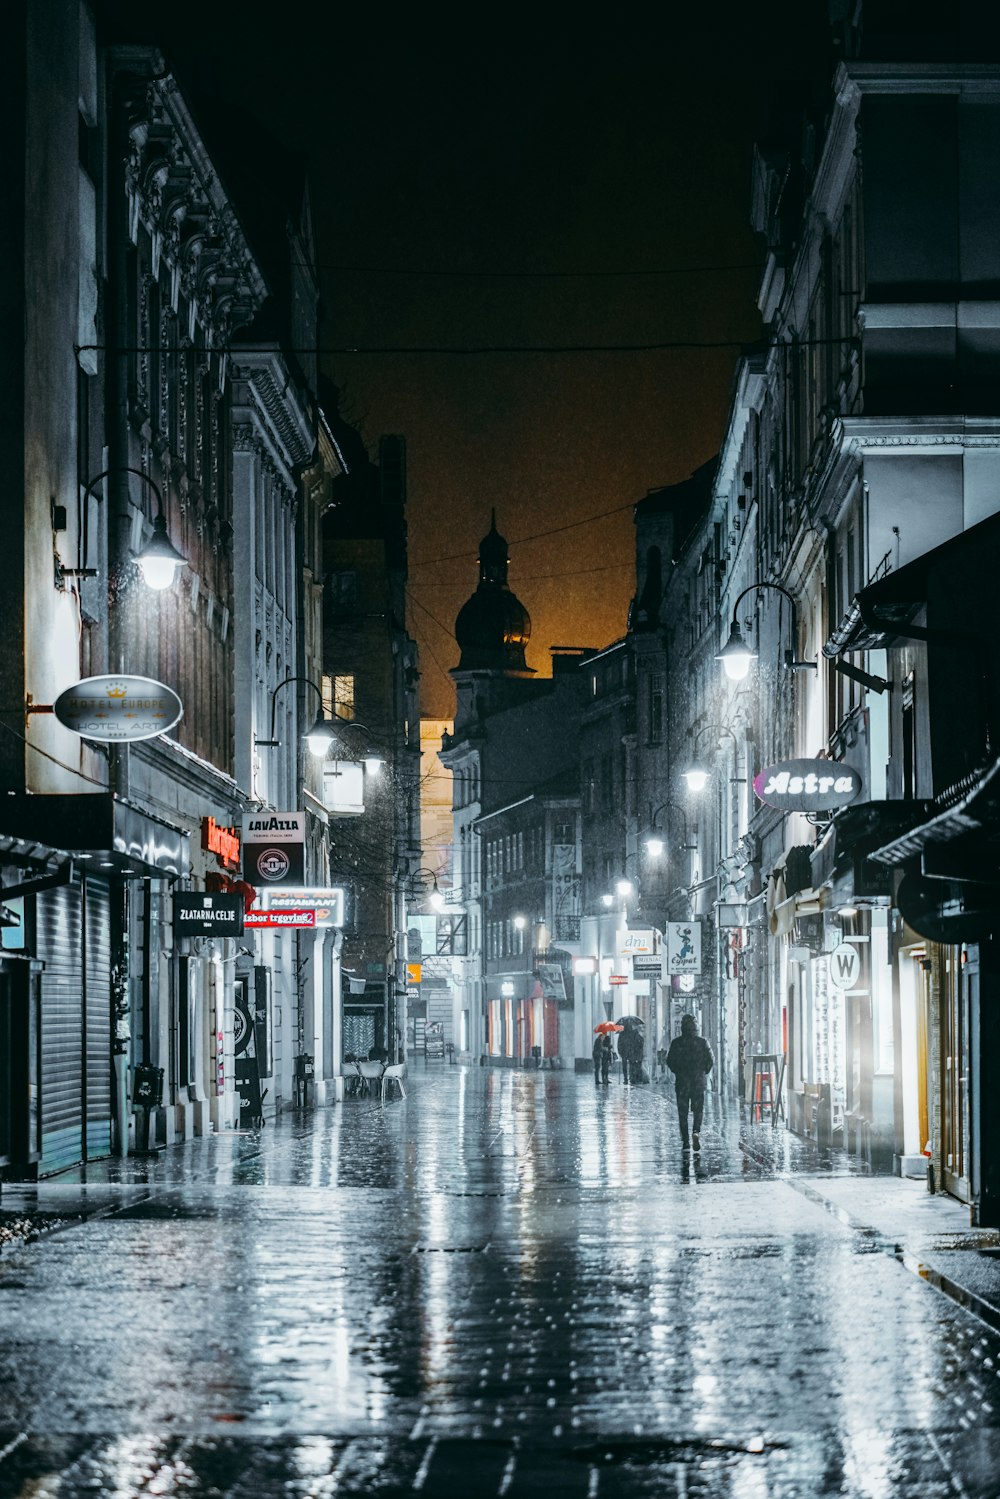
(175, 193)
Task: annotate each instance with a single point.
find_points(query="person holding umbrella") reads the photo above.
(603, 1051)
(631, 1048)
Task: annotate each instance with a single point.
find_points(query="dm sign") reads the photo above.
(118, 709)
(807, 785)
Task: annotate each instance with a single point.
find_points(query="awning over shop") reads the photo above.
(881, 613)
(966, 817)
(102, 828)
(842, 856)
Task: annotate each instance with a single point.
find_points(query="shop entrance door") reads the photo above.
(955, 1063)
(20, 1070)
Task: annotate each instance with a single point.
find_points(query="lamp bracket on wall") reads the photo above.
(855, 674)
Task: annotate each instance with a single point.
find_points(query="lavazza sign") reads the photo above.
(274, 848)
(807, 785)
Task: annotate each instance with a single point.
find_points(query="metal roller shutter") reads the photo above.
(58, 926)
(98, 1018)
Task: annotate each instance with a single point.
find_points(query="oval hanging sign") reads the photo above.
(118, 709)
(807, 785)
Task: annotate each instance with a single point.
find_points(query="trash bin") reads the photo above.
(304, 1070)
(536, 1052)
(147, 1086)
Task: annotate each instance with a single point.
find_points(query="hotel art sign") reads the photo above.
(119, 709)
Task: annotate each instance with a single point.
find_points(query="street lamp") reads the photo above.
(318, 738)
(372, 760)
(654, 845)
(696, 777)
(737, 653)
(159, 559)
(435, 900)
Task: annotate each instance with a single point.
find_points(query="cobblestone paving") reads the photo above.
(509, 1283)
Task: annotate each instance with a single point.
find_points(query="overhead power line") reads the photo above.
(381, 350)
(536, 536)
(492, 275)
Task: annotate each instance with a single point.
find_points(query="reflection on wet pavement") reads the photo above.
(507, 1282)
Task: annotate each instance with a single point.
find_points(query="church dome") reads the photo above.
(493, 627)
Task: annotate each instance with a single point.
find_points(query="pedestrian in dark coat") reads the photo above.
(690, 1060)
(631, 1045)
(603, 1055)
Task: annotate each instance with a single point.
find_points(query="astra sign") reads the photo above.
(807, 785)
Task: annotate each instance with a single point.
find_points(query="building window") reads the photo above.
(342, 589)
(589, 789)
(338, 697)
(655, 709)
(608, 780)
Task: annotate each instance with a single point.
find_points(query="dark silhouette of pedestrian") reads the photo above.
(690, 1060)
(603, 1056)
(631, 1045)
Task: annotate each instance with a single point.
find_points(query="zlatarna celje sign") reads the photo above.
(118, 709)
(807, 785)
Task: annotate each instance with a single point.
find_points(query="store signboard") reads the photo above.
(618, 978)
(637, 941)
(683, 947)
(326, 903)
(118, 709)
(274, 848)
(807, 785)
(279, 919)
(844, 964)
(221, 841)
(197, 914)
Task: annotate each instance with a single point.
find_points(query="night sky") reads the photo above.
(522, 187)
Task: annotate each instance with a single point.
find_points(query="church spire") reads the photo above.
(493, 626)
(494, 555)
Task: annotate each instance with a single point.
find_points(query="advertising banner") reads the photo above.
(274, 848)
(683, 947)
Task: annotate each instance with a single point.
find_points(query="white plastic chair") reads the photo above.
(352, 1077)
(370, 1073)
(393, 1074)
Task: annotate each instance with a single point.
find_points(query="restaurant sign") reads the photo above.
(807, 785)
(327, 905)
(119, 709)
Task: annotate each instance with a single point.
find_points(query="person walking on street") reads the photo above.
(690, 1060)
(603, 1054)
(631, 1045)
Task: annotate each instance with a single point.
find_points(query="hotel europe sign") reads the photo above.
(119, 709)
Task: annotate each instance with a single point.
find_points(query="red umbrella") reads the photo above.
(606, 1026)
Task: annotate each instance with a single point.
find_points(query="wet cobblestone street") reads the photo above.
(509, 1283)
